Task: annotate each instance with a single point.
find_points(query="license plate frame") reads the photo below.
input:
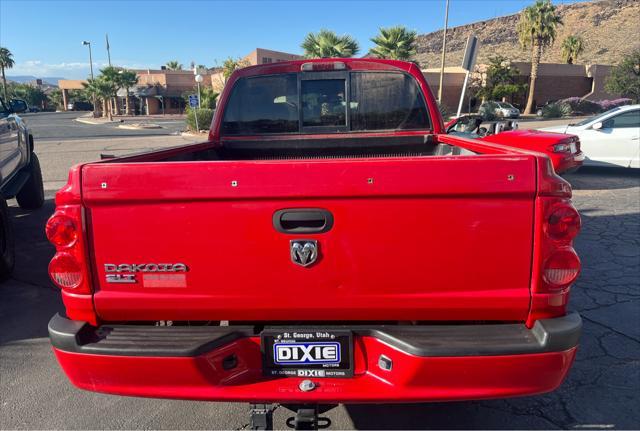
(276, 344)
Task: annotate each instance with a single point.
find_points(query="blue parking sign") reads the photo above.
(193, 100)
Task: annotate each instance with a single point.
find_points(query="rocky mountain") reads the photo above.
(609, 28)
(30, 78)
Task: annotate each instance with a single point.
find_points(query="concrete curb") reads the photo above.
(195, 135)
(94, 121)
(140, 126)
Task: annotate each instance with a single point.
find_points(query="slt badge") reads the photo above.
(304, 252)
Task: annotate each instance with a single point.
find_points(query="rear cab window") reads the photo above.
(263, 104)
(325, 102)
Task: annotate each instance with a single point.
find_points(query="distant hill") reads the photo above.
(610, 29)
(29, 78)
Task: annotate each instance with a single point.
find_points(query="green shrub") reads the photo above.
(209, 97)
(581, 106)
(205, 115)
(556, 110)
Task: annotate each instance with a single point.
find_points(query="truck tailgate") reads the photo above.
(431, 238)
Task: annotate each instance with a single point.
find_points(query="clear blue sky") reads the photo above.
(45, 36)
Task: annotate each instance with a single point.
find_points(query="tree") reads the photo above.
(327, 43)
(230, 65)
(78, 96)
(208, 97)
(625, 77)
(396, 43)
(126, 80)
(173, 65)
(34, 96)
(103, 90)
(111, 75)
(499, 80)
(537, 31)
(55, 98)
(572, 47)
(6, 62)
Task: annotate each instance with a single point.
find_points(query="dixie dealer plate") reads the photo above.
(307, 353)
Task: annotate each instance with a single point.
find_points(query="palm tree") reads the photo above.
(572, 47)
(6, 62)
(230, 65)
(103, 90)
(111, 75)
(92, 91)
(173, 65)
(327, 43)
(396, 43)
(537, 30)
(126, 80)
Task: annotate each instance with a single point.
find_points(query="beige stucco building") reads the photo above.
(158, 91)
(555, 81)
(257, 56)
(161, 91)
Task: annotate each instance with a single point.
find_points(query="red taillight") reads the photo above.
(61, 231)
(561, 148)
(65, 271)
(561, 268)
(68, 268)
(569, 145)
(563, 223)
(556, 265)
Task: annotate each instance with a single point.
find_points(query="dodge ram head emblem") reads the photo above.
(304, 251)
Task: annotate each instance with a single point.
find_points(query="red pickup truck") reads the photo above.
(327, 244)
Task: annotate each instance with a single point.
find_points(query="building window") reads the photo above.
(267, 60)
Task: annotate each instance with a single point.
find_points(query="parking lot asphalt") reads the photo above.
(601, 392)
(62, 126)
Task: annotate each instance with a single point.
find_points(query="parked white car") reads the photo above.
(608, 139)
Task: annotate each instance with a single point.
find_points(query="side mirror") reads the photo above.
(597, 126)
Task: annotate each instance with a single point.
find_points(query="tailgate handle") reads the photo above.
(303, 220)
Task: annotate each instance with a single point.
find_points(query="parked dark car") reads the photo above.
(540, 108)
(20, 177)
(80, 106)
(18, 106)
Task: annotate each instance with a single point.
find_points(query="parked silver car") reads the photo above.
(502, 109)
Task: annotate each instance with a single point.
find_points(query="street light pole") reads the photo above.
(199, 80)
(93, 96)
(444, 50)
(106, 36)
(85, 43)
